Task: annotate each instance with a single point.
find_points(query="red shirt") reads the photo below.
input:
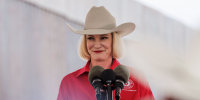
(75, 86)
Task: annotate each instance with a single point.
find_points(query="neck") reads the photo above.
(106, 64)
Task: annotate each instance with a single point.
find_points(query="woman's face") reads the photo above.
(99, 46)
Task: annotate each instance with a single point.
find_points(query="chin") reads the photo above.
(99, 58)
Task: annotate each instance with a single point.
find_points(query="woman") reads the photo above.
(100, 45)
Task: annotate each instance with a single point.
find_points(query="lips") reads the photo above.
(98, 51)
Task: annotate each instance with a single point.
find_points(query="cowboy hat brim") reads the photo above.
(122, 30)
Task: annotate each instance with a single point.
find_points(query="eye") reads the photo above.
(90, 38)
(104, 37)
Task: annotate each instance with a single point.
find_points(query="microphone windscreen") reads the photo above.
(95, 72)
(108, 74)
(122, 73)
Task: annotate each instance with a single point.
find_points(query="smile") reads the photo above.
(98, 51)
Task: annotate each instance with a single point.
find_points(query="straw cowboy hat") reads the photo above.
(100, 21)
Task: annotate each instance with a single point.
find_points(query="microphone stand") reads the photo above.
(103, 94)
(119, 84)
(109, 90)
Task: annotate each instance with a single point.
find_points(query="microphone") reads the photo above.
(108, 77)
(122, 76)
(95, 79)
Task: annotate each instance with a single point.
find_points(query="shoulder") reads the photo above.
(71, 76)
(138, 78)
(141, 83)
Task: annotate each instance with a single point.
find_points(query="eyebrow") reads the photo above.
(104, 35)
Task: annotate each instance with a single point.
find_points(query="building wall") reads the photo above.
(36, 52)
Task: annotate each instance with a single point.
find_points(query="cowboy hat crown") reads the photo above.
(100, 21)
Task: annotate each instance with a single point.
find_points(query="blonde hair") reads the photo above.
(117, 47)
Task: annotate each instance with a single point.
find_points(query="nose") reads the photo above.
(97, 44)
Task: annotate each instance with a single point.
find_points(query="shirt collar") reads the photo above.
(86, 68)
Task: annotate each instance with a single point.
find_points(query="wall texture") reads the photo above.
(36, 51)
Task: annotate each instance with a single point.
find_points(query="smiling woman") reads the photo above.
(100, 46)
